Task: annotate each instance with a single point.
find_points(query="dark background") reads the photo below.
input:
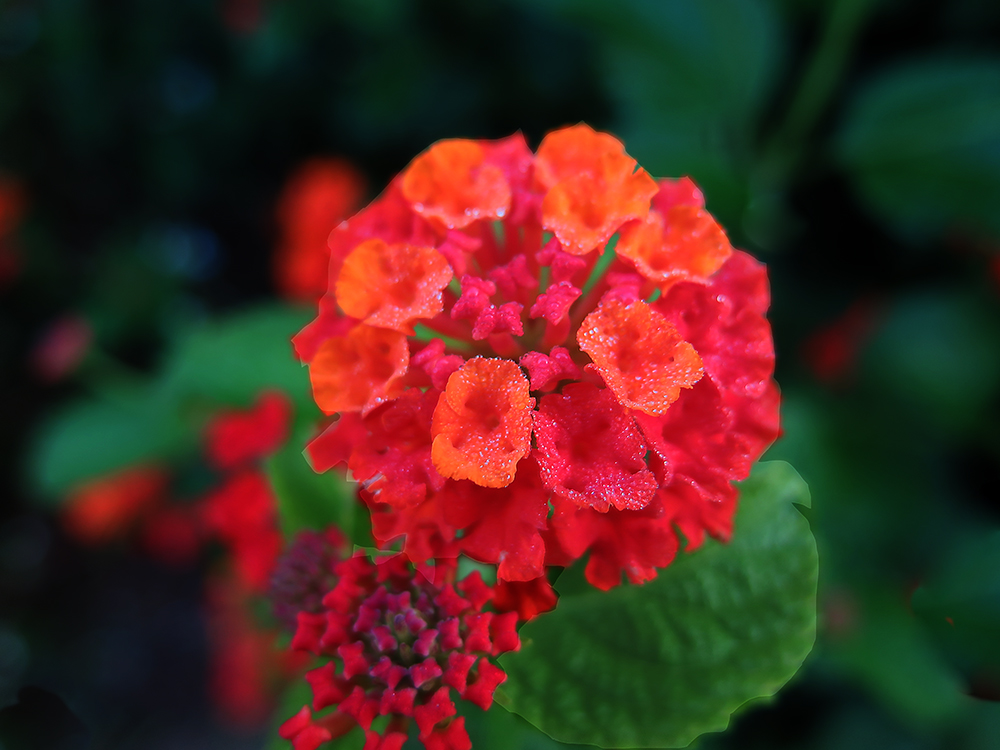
(854, 145)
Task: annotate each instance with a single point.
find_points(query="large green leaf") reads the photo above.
(659, 664)
(497, 729)
(231, 360)
(922, 144)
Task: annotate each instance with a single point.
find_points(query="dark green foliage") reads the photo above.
(659, 664)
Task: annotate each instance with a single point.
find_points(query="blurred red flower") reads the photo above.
(316, 198)
(103, 509)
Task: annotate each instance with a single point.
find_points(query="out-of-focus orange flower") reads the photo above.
(316, 198)
(108, 507)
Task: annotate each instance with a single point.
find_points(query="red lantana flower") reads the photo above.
(399, 645)
(242, 512)
(533, 357)
(105, 508)
(317, 196)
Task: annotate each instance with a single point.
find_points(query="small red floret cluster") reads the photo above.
(534, 357)
(403, 644)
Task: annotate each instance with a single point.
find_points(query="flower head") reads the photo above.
(400, 646)
(537, 356)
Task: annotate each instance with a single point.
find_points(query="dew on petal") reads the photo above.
(640, 355)
(482, 424)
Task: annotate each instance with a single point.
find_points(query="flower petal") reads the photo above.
(640, 355)
(482, 423)
(390, 286)
(451, 183)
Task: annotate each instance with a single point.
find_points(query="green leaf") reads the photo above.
(940, 354)
(659, 664)
(90, 438)
(231, 360)
(922, 143)
(497, 729)
(960, 601)
(689, 81)
(307, 500)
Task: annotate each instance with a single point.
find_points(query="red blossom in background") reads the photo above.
(401, 646)
(316, 198)
(500, 398)
(832, 352)
(242, 512)
(305, 573)
(106, 508)
(246, 670)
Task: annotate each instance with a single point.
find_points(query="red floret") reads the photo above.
(237, 437)
(590, 450)
(400, 644)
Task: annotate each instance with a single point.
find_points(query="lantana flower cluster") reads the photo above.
(400, 646)
(534, 357)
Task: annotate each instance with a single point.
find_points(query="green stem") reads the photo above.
(818, 84)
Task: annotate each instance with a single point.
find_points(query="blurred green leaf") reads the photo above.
(90, 438)
(225, 363)
(690, 81)
(889, 653)
(307, 500)
(229, 361)
(939, 352)
(659, 664)
(961, 600)
(921, 141)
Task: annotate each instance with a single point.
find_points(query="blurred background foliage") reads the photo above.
(854, 145)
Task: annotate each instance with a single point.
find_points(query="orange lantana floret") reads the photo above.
(482, 423)
(593, 187)
(450, 183)
(685, 245)
(390, 286)
(359, 371)
(640, 355)
(572, 151)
